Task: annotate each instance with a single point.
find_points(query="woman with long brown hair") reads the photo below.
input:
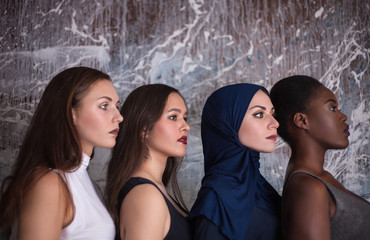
(150, 144)
(49, 194)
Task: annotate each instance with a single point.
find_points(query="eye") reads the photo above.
(258, 115)
(333, 108)
(273, 113)
(173, 117)
(104, 106)
(185, 119)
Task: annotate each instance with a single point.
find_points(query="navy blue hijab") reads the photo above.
(232, 184)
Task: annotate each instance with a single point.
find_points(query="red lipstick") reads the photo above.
(183, 140)
(272, 137)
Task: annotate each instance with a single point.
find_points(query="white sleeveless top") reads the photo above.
(91, 219)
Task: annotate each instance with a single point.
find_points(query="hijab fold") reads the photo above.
(232, 184)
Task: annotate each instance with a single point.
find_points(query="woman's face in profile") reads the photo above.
(259, 127)
(168, 138)
(97, 118)
(327, 124)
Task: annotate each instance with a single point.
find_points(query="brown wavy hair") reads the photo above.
(141, 110)
(51, 140)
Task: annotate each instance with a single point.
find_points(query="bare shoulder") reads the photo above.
(301, 183)
(305, 193)
(306, 208)
(144, 214)
(45, 210)
(48, 187)
(145, 196)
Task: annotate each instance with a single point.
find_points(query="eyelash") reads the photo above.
(104, 106)
(258, 115)
(262, 114)
(174, 118)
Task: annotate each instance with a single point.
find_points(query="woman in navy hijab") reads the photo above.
(235, 201)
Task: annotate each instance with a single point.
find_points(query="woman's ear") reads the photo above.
(300, 120)
(144, 135)
(74, 115)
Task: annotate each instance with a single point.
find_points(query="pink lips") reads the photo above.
(183, 140)
(346, 130)
(114, 132)
(272, 137)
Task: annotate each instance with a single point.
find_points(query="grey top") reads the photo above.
(352, 216)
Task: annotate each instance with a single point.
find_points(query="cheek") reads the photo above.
(248, 135)
(324, 125)
(159, 132)
(89, 121)
(327, 131)
(94, 121)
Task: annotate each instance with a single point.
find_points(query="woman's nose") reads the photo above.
(118, 116)
(274, 122)
(186, 126)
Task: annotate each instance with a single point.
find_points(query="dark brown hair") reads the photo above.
(51, 140)
(141, 110)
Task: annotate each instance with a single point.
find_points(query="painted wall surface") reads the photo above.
(196, 46)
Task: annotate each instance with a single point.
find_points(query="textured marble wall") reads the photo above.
(196, 46)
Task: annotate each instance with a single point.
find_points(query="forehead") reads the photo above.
(321, 97)
(102, 87)
(260, 98)
(174, 100)
(324, 94)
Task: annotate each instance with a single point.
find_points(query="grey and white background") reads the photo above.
(196, 46)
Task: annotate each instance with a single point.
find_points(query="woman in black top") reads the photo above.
(150, 142)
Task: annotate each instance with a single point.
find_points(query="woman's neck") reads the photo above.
(308, 157)
(152, 169)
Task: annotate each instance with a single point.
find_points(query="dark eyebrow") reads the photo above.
(176, 110)
(109, 99)
(258, 106)
(331, 100)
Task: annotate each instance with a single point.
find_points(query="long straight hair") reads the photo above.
(141, 110)
(51, 140)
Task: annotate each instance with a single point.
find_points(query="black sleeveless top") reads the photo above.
(179, 227)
